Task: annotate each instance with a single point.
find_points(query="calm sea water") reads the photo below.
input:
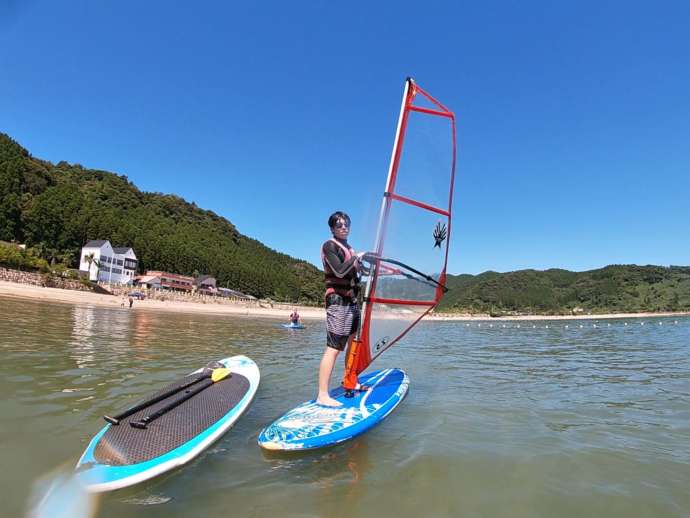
(500, 421)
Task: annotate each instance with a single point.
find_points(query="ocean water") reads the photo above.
(592, 419)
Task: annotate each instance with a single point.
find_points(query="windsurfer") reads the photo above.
(342, 267)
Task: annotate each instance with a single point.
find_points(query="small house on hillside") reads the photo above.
(206, 284)
(104, 263)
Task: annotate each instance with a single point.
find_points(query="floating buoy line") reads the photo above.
(552, 325)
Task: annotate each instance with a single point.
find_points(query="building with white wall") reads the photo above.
(107, 264)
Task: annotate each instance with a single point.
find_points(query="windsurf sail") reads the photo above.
(408, 263)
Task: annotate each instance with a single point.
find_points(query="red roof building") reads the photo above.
(173, 281)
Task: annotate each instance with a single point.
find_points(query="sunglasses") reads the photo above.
(342, 224)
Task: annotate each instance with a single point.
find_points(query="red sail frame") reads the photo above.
(359, 354)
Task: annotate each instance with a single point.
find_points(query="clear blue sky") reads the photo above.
(574, 117)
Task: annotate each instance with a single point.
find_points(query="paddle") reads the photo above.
(207, 373)
(217, 375)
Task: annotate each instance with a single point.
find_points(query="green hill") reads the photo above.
(56, 208)
(613, 289)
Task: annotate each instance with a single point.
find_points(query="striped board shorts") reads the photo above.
(342, 319)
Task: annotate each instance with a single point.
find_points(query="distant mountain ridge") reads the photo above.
(612, 289)
(56, 208)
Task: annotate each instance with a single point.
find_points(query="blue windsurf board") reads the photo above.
(292, 326)
(311, 425)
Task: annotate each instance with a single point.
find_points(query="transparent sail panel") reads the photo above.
(417, 238)
(389, 322)
(412, 259)
(426, 160)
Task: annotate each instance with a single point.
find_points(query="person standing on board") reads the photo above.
(294, 316)
(341, 267)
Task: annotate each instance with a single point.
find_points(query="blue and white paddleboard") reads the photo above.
(120, 455)
(292, 326)
(311, 425)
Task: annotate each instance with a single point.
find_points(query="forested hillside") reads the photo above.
(613, 289)
(56, 208)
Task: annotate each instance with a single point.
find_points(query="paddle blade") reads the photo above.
(219, 374)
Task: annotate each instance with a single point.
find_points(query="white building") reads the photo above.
(113, 265)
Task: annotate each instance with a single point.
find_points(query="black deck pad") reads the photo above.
(123, 445)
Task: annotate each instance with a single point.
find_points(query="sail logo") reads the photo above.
(440, 234)
(382, 342)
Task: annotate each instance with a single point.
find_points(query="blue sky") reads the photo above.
(573, 118)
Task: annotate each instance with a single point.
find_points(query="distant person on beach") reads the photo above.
(131, 301)
(294, 316)
(342, 267)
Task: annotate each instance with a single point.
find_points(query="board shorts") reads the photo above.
(342, 319)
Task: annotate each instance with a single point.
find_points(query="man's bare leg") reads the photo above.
(325, 371)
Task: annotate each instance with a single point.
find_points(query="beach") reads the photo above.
(274, 310)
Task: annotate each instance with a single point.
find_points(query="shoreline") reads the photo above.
(39, 293)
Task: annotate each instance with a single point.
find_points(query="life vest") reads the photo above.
(345, 286)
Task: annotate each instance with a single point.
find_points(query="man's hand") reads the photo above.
(370, 257)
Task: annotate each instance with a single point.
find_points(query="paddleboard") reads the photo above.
(311, 425)
(292, 326)
(121, 455)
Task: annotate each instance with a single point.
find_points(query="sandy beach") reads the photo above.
(278, 311)
(254, 309)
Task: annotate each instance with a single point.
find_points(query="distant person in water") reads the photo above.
(131, 301)
(341, 265)
(294, 317)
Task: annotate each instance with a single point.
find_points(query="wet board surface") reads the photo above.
(311, 425)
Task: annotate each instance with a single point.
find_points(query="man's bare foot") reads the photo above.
(327, 400)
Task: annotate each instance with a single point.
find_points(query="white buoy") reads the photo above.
(547, 327)
(581, 326)
(641, 323)
(594, 325)
(626, 323)
(518, 326)
(566, 326)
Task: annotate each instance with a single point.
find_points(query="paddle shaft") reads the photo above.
(116, 419)
(144, 421)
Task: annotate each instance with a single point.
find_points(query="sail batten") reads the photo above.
(414, 229)
(402, 302)
(420, 204)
